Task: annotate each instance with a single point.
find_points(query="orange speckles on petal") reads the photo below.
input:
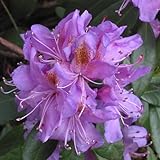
(81, 55)
(52, 78)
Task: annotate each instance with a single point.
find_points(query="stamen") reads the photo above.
(140, 154)
(66, 135)
(123, 6)
(139, 107)
(9, 83)
(124, 109)
(23, 100)
(84, 136)
(7, 92)
(82, 110)
(62, 87)
(74, 138)
(19, 119)
(96, 83)
(67, 147)
(52, 55)
(45, 108)
(20, 63)
(51, 61)
(119, 60)
(56, 41)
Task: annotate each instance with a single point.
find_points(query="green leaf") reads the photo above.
(71, 155)
(155, 128)
(109, 12)
(11, 140)
(158, 52)
(100, 158)
(5, 130)
(13, 36)
(35, 149)
(148, 49)
(100, 5)
(15, 154)
(107, 151)
(156, 79)
(151, 155)
(152, 97)
(144, 119)
(8, 109)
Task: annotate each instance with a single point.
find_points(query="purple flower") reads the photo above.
(134, 137)
(75, 79)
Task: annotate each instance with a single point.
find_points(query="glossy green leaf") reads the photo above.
(148, 49)
(151, 155)
(156, 79)
(35, 149)
(8, 109)
(107, 150)
(152, 97)
(155, 128)
(11, 140)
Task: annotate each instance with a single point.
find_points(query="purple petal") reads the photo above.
(129, 73)
(91, 138)
(50, 122)
(113, 131)
(122, 48)
(23, 79)
(43, 34)
(99, 70)
(148, 9)
(155, 24)
(72, 101)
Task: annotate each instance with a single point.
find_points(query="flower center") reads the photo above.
(82, 56)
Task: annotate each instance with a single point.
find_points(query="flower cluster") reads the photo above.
(148, 10)
(75, 79)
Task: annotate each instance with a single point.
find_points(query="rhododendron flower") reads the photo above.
(75, 79)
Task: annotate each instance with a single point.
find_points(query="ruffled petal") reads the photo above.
(122, 48)
(129, 73)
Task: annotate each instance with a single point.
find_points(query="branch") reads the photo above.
(11, 46)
